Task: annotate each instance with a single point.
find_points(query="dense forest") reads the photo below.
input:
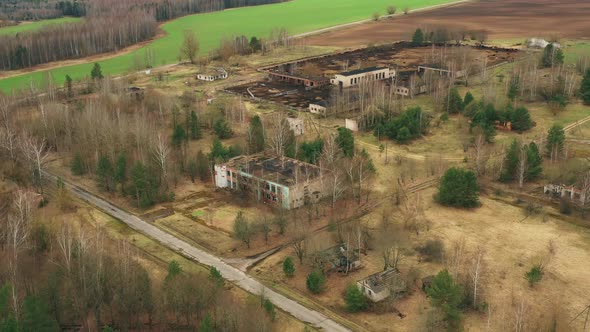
(18, 10)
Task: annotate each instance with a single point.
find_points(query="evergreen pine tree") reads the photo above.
(142, 186)
(288, 267)
(510, 167)
(104, 173)
(513, 88)
(68, 84)
(585, 88)
(345, 140)
(534, 162)
(418, 37)
(256, 135)
(521, 119)
(555, 140)
(222, 129)
(446, 294)
(36, 317)
(453, 103)
(96, 72)
(121, 170)
(195, 126)
(354, 298)
(458, 188)
(552, 56)
(77, 166)
(468, 99)
(178, 136)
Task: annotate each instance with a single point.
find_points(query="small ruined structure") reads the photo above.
(296, 125)
(351, 124)
(136, 92)
(338, 258)
(377, 287)
(503, 126)
(540, 43)
(440, 70)
(213, 74)
(578, 196)
(318, 108)
(283, 182)
(308, 82)
(355, 77)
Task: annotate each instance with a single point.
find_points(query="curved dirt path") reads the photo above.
(229, 272)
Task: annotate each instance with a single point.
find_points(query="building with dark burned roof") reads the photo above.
(283, 182)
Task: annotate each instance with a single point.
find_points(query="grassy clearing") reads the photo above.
(297, 16)
(22, 27)
(575, 49)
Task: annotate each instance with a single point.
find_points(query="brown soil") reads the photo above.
(502, 19)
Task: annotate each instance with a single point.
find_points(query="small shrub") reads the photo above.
(432, 250)
(269, 307)
(534, 275)
(288, 267)
(532, 209)
(216, 276)
(316, 281)
(406, 10)
(376, 16)
(391, 10)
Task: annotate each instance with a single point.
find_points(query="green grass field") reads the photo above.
(297, 16)
(12, 30)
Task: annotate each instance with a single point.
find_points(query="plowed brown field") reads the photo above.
(502, 19)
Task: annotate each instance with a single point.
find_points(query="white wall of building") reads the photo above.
(317, 109)
(221, 180)
(352, 80)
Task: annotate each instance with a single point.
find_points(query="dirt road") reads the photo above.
(229, 272)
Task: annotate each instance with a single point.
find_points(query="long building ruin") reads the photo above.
(282, 182)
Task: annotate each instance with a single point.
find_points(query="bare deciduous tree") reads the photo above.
(160, 153)
(476, 271)
(36, 154)
(190, 46)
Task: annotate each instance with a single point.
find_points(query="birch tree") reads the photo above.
(330, 161)
(18, 230)
(36, 154)
(476, 271)
(280, 136)
(160, 153)
(522, 164)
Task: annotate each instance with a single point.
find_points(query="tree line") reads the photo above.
(75, 40)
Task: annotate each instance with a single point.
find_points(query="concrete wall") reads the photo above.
(221, 176)
(369, 293)
(296, 124)
(317, 109)
(351, 124)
